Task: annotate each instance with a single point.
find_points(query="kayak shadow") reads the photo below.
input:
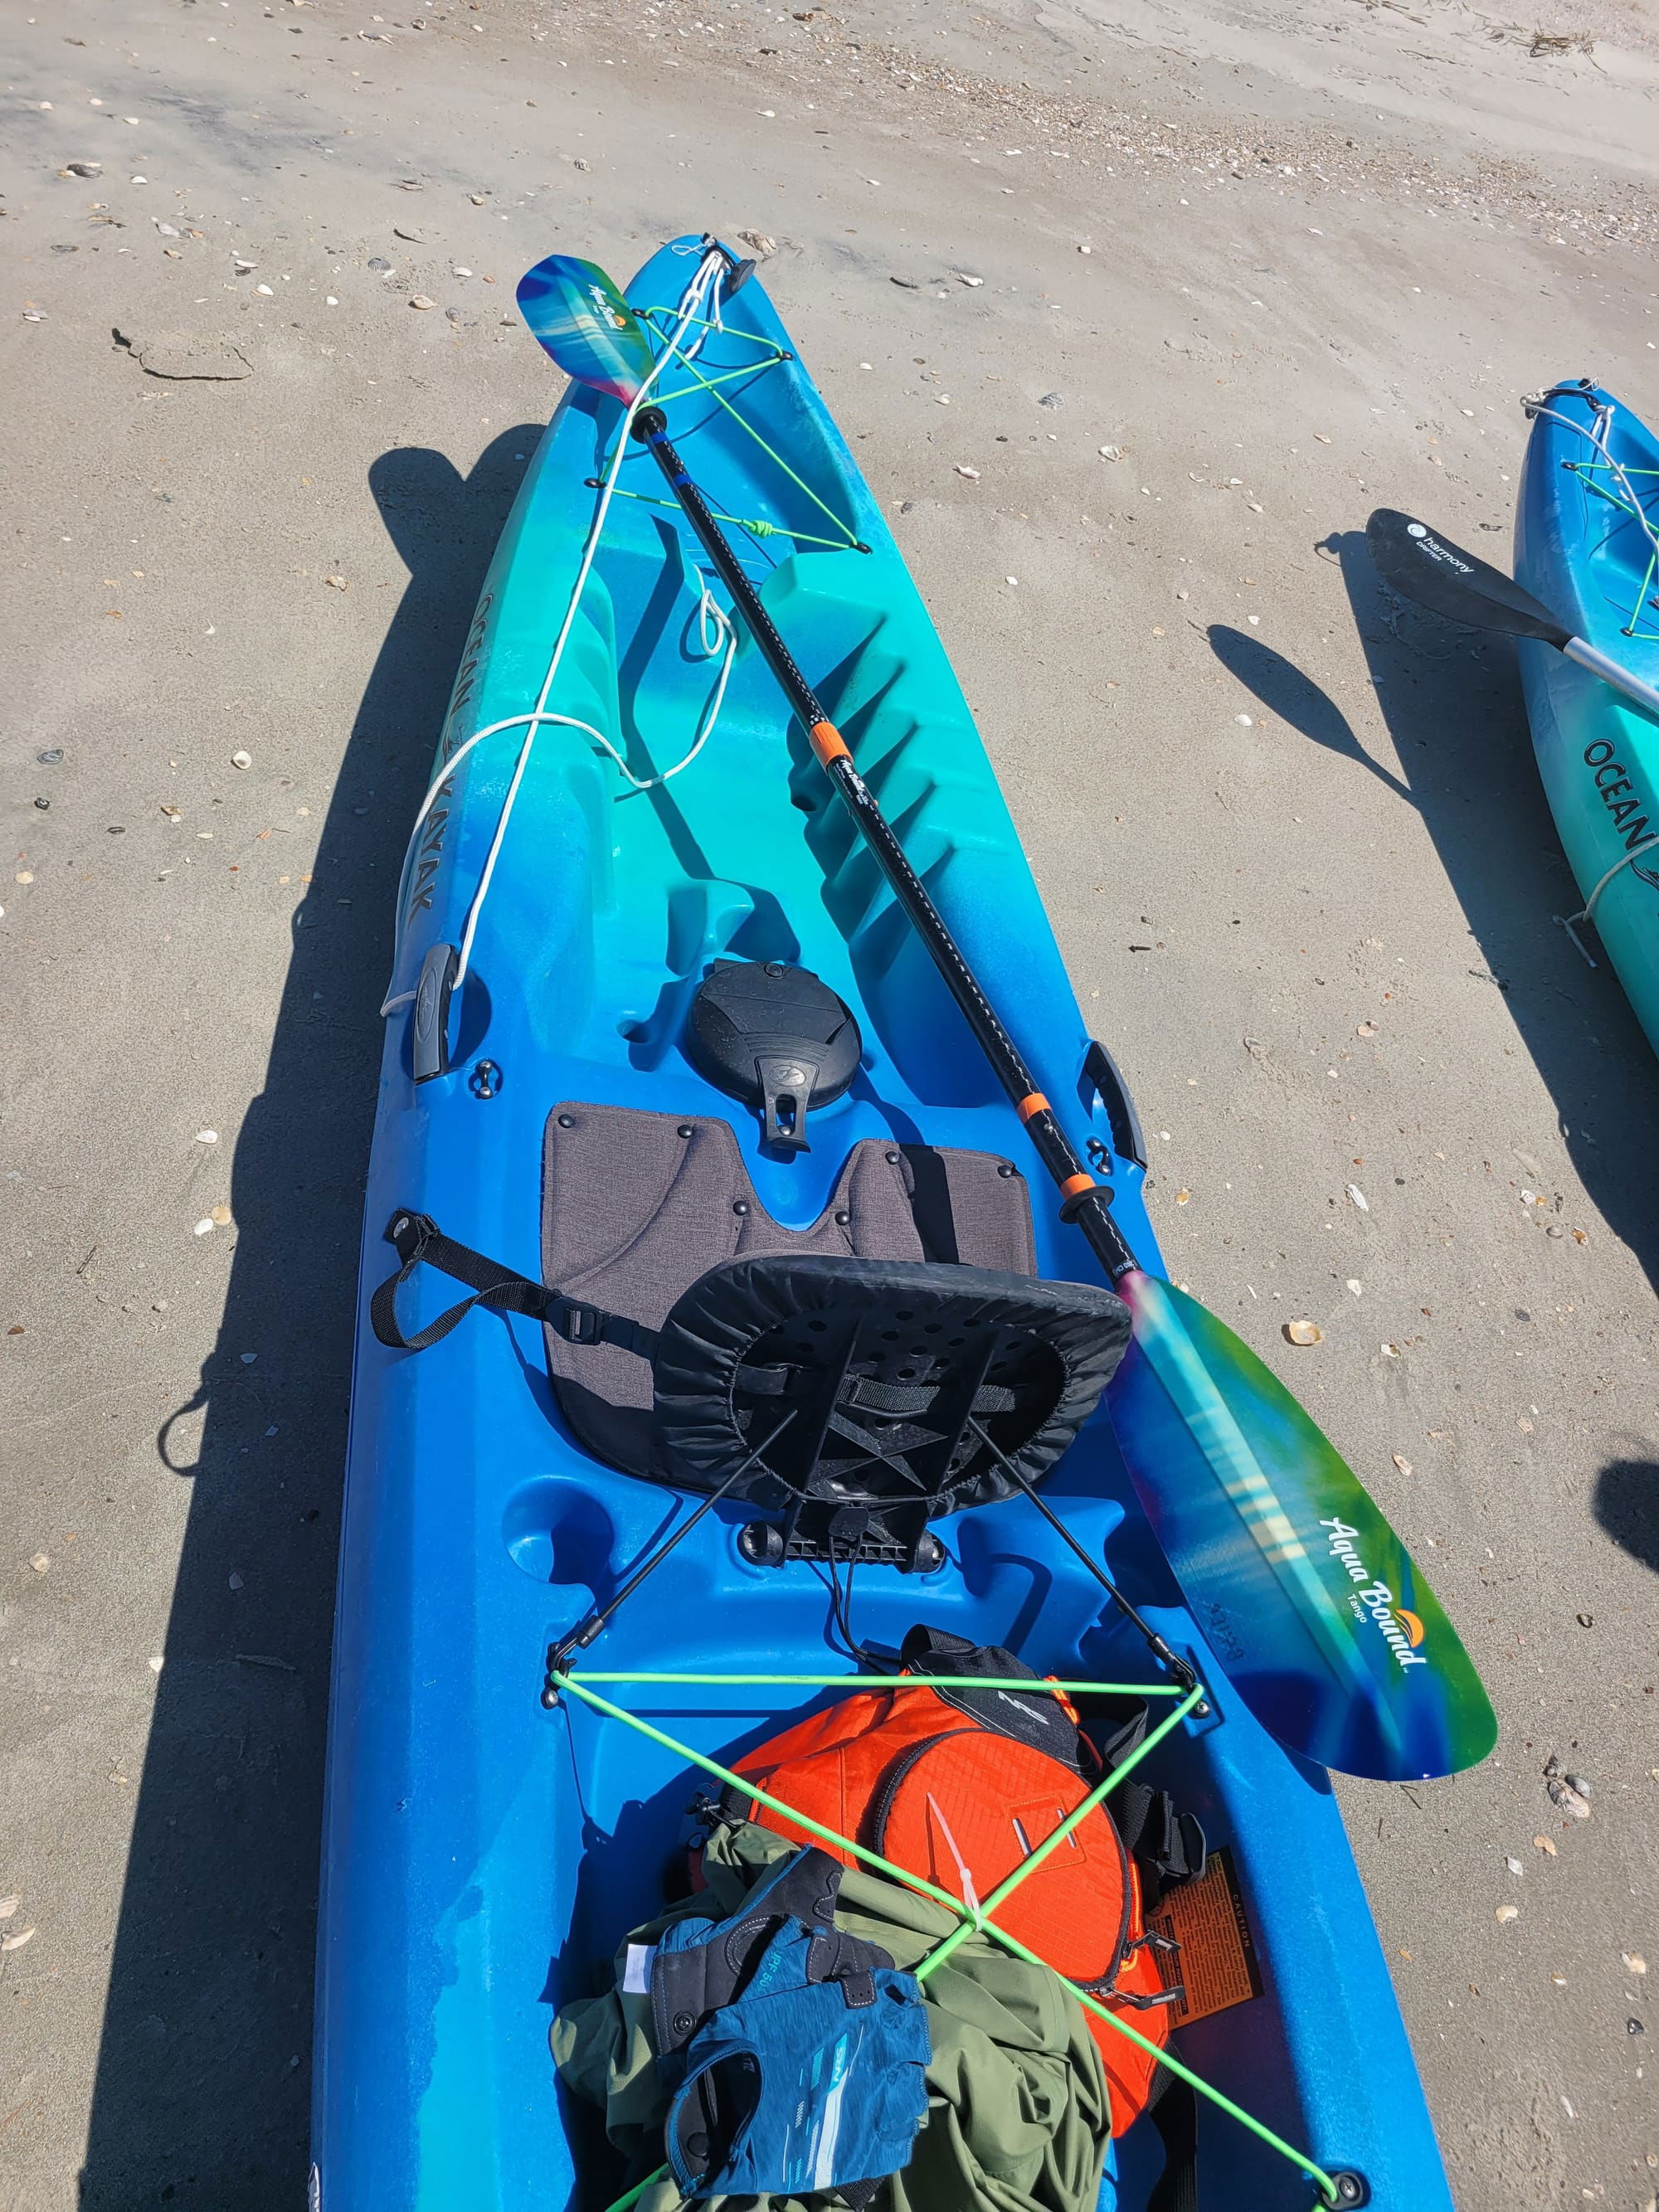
(1452, 702)
(1627, 1507)
(202, 2089)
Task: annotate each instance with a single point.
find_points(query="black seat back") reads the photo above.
(859, 1399)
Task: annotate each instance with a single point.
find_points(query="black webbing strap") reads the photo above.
(418, 1241)
(1169, 1846)
(1174, 2108)
(865, 1394)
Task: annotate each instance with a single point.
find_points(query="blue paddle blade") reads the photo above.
(1313, 1608)
(578, 316)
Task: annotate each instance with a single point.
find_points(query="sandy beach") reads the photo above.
(1191, 288)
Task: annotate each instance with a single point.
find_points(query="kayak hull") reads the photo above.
(1598, 753)
(483, 1852)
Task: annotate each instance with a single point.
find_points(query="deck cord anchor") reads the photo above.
(1350, 2187)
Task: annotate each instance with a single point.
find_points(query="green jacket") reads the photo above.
(1017, 2106)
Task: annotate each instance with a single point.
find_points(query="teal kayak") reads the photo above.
(1587, 545)
(656, 1029)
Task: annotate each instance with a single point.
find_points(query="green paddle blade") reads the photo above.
(1314, 1610)
(578, 316)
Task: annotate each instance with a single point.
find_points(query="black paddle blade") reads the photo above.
(1439, 575)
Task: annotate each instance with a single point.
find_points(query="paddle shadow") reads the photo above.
(1283, 689)
(1451, 699)
(202, 2089)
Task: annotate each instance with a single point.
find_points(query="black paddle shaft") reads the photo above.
(1086, 1199)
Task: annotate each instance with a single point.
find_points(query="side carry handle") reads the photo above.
(1101, 1076)
(429, 1028)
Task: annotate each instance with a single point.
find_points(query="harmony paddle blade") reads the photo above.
(1310, 1601)
(1434, 573)
(577, 315)
(1439, 575)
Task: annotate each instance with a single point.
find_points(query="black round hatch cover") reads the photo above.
(775, 1037)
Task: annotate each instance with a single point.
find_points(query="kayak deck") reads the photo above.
(484, 1852)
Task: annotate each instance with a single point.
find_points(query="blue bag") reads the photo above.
(797, 2055)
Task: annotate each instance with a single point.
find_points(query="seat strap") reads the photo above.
(418, 1241)
(863, 1394)
(1174, 2108)
(1170, 1846)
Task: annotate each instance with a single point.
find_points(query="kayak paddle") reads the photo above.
(1306, 1595)
(1422, 566)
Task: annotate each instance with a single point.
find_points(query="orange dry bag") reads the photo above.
(961, 1786)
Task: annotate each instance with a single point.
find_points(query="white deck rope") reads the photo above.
(1587, 912)
(1604, 411)
(712, 621)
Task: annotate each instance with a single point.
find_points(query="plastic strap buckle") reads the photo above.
(577, 1323)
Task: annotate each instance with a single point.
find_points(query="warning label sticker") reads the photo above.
(1219, 1966)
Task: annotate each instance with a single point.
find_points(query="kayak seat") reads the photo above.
(859, 1399)
(637, 1205)
(853, 1380)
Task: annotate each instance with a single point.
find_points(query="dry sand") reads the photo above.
(1291, 837)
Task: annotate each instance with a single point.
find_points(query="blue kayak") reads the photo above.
(1587, 545)
(653, 1013)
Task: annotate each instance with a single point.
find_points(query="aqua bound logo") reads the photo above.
(1401, 1627)
(596, 294)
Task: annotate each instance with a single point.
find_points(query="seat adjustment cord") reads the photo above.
(1162, 1651)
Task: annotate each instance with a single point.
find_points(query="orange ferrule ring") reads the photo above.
(828, 742)
(1074, 1185)
(1031, 1105)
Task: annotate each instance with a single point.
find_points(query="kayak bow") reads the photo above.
(1587, 542)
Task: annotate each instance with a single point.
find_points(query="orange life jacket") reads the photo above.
(961, 1786)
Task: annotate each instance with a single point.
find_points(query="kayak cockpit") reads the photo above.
(851, 1379)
